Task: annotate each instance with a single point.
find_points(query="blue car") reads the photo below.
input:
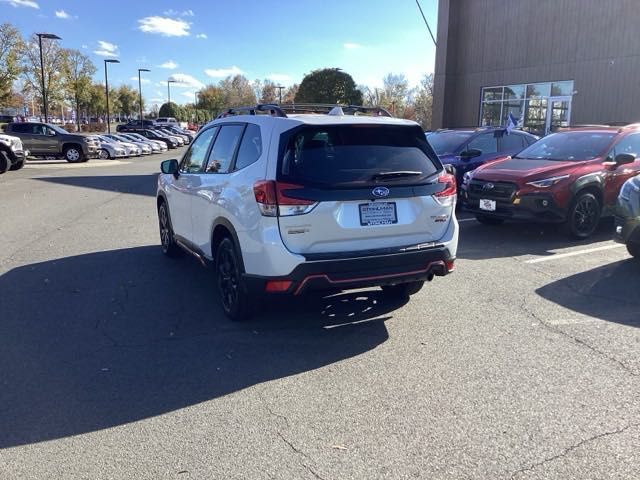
(468, 148)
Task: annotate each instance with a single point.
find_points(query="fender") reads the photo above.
(595, 179)
(234, 236)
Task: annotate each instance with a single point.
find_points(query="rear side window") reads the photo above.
(513, 142)
(486, 143)
(356, 155)
(224, 148)
(250, 148)
(22, 128)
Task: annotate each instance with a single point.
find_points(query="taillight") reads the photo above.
(273, 199)
(448, 195)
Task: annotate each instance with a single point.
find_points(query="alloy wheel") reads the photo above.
(228, 280)
(586, 215)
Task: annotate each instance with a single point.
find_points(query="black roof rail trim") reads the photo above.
(279, 110)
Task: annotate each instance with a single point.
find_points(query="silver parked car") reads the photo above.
(132, 149)
(108, 150)
(146, 148)
(156, 145)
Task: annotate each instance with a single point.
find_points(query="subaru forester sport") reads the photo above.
(287, 203)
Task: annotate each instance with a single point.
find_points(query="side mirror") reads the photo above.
(621, 159)
(51, 133)
(170, 167)
(469, 154)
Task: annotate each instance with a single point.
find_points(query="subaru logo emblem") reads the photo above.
(488, 186)
(380, 192)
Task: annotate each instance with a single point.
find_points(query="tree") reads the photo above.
(237, 91)
(11, 45)
(269, 92)
(77, 71)
(169, 109)
(128, 98)
(53, 60)
(290, 94)
(96, 103)
(394, 93)
(423, 101)
(329, 85)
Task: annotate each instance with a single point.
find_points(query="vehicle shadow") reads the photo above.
(99, 340)
(481, 242)
(609, 292)
(134, 184)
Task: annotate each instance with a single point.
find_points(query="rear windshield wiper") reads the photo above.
(398, 174)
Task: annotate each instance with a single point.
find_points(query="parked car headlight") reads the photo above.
(466, 178)
(547, 182)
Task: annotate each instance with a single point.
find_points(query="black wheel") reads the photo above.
(231, 287)
(18, 165)
(5, 163)
(73, 154)
(169, 246)
(104, 154)
(402, 290)
(486, 220)
(634, 250)
(584, 216)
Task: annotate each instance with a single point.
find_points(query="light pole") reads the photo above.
(106, 88)
(280, 87)
(169, 82)
(50, 36)
(195, 105)
(140, 90)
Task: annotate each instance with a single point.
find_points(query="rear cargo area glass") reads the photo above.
(353, 155)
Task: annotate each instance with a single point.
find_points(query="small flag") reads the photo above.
(511, 123)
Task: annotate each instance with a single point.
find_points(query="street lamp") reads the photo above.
(195, 105)
(169, 82)
(140, 90)
(280, 87)
(106, 89)
(50, 36)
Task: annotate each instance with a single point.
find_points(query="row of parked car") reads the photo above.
(36, 139)
(572, 178)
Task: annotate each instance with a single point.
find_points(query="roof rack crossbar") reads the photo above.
(273, 110)
(280, 110)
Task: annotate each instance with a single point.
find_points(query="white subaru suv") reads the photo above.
(284, 203)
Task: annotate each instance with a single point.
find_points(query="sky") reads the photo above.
(199, 42)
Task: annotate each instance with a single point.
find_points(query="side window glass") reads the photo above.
(224, 148)
(250, 148)
(38, 129)
(193, 160)
(512, 142)
(486, 143)
(629, 144)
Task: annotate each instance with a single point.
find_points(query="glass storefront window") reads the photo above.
(492, 93)
(513, 92)
(562, 89)
(491, 113)
(516, 108)
(538, 90)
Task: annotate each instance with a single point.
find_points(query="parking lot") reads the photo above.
(118, 363)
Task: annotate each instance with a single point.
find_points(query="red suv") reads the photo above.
(571, 177)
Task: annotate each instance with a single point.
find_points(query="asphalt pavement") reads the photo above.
(117, 363)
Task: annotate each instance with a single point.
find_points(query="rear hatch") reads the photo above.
(356, 187)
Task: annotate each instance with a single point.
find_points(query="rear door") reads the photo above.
(614, 180)
(25, 132)
(361, 187)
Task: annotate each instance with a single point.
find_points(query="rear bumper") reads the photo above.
(627, 230)
(533, 208)
(361, 272)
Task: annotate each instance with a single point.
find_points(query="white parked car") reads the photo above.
(109, 149)
(156, 145)
(12, 153)
(283, 204)
(132, 149)
(144, 146)
(167, 121)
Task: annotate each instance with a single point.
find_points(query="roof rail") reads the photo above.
(273, 110)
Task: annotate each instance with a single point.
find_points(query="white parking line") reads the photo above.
(559, 256)
(63, 164)
(466, 220)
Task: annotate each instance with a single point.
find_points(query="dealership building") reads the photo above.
(550, 63)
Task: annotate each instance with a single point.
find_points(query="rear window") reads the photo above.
(447, 143)
(356, 155)
(569, 146)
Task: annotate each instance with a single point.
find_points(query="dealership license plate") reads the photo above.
(378, 213)
(488, 205)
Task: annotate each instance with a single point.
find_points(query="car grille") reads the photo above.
(491, 190)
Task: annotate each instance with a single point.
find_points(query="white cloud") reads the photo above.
(85, 46)
(279, 77)
(106, 49)
(142, 80)
(184, 80)
(189, 95)
(223, 72)
(201, 35)
(170, 65)
(62, 14)
(22, 3)
(167, 27)
(352, 46)
(173, 13)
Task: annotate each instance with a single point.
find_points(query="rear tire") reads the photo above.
(232, 289)
(104, 154)
(73, 154)
(584, 216)
(634, 250)
(5, 163)
(402, 290)
(18, 165)
(486, 220)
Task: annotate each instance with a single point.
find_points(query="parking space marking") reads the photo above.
(559, 256)
(90, 164)
(466, 220)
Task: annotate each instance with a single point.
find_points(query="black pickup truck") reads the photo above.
(46, 140)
